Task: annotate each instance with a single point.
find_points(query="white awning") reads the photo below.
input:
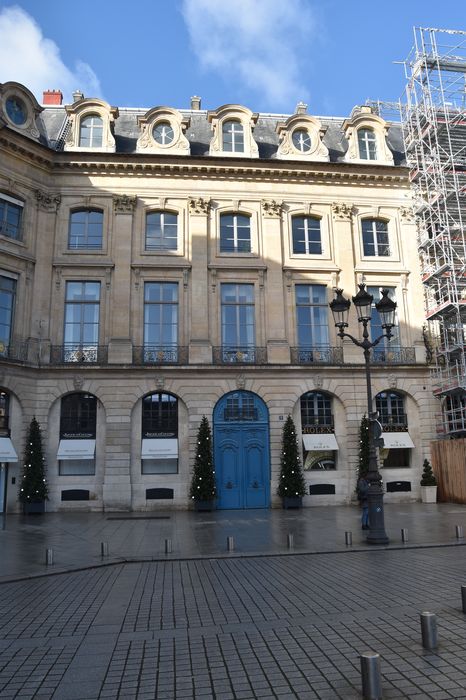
(396, 441)
(76, 449)
(159, 448)
(7, 451)
(320, 442)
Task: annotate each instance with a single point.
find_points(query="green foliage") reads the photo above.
(203, 478)
(363, 463)
(291, 482)
(428, 477)
(33, 486)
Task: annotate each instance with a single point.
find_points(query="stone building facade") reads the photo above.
(160, 265)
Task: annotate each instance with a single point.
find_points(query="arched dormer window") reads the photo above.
(233, 126)
(86, 229)
(233, 137)
(161, 230)
(301, 139)
(91, 124)
(91, 131)
(235, 233)
(367, 144)
(366, 133)
(159, 450)
(19, 109)
(163, 131)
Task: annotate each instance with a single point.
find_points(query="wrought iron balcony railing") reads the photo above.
(78, 354)
(160, 355)
(316, 355)
(394, 424)
(393, 356)
(234, 355)
(15, 351)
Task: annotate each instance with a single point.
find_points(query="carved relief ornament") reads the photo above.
(46, 201)
(342, 211)
(271, 208)
(124, 203)
(198, 205)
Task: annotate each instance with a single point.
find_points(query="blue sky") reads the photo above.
(264, 54)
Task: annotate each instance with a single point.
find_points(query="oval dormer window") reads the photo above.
(301, 140)
(163, 133)
(16, 111)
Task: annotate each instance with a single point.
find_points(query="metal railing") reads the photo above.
(317, 355)
(78, 354)
(15, 350)
(394, 424)
(229, 355)
(160, 355)
(393, 356)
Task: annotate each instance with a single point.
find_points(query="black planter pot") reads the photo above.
(29, 508)
(204, 506)
(292, 502)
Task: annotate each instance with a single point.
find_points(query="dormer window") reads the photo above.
(16, 110)
(233, 132)
(367, 144)
(301, 140)
(91, 131)
(163, 133)
(233, 137)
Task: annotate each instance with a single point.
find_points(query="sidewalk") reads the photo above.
(76, 537)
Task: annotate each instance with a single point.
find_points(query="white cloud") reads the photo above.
(27, 57)
(256, 43)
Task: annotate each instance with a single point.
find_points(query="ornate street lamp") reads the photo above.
(386, 308)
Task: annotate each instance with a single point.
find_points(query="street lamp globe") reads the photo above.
(363, 303)
(387, 309)
(340, 309)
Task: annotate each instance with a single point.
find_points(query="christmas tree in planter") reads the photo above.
(203, 490)
(291, 486)
(363, 464)
(33, 487)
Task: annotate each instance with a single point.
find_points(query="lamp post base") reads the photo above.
(377, 534)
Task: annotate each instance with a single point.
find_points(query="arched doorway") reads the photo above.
(241, 451)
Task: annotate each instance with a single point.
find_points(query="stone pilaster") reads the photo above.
(200, 347)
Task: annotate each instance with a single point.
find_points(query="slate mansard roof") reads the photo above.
(200, 132)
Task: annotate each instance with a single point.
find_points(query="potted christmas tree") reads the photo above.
(428, 483)
(291, 486)
(33, 486)
(203, 490)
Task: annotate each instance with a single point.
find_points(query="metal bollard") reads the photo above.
(459, 532)
(49, 557)
(463, 597)
(290, 540)
(104, 549)
(429, 630)
(230, 543)
(404, 534)
(168, 546)
(371, 676)
(348, 538)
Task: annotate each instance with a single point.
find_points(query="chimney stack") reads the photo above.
(52, 97)
(301, 108)
(77, 95)
(195, 102)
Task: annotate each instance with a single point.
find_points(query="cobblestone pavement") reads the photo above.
(284, 626)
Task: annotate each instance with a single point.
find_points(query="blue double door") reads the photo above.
(241, 451)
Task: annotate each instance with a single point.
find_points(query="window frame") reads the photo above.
(86, 246)
(376, 244)
(5, 401)
(364, 144)
(311, 306)
(155, 425)
(84, 304)
(299, 148)
(234, 134)
(14, 204)
(240, 329)
(224, 227)
(307, 231)
(162, 249)
(92, 128)
(162, 304)
(85, 422)
(164, 124)
(12, 293)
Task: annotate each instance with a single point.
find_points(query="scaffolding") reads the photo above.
(434, 129)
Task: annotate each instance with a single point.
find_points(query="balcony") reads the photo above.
(78, 354)
(160, 355)
(394, 424)
(234, 355)
(317, 355)
(18, 351)
(393, 356)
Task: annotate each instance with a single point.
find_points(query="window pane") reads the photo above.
(76, 467)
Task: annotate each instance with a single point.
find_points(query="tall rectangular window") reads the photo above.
(367, 144)
(376, 321)
(233, 137)
(311, 315)
(81, 337)
(86, 227)
(235, 233)
(11, 213)
(306, 235)
(375, 238)
(7, 306)
(160, 321)
(161, 231)
(238, 325)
